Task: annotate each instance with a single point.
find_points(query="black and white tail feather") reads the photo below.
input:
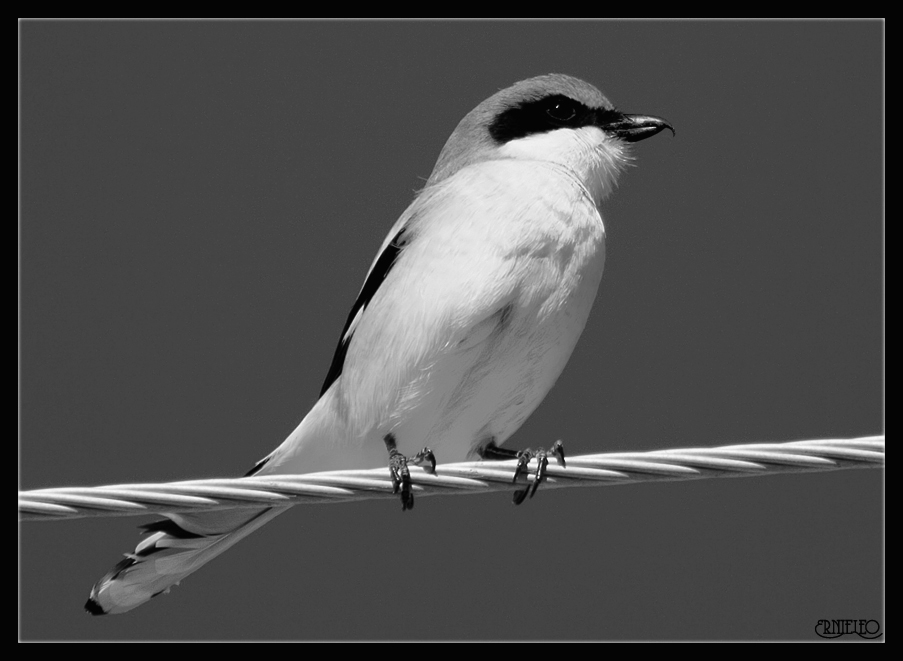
(176, 547)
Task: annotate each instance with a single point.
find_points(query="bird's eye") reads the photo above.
(561, 111)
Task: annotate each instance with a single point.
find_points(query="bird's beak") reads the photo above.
(633, 128)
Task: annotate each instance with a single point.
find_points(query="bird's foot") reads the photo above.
(492, 451)
(401, 476)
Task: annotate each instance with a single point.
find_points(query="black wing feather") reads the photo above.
(377, 275)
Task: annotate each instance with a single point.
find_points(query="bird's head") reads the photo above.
(553, 118)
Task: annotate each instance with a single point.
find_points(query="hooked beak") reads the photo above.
(633, 128)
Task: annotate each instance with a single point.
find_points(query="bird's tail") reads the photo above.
(183, 543)
(176, 547)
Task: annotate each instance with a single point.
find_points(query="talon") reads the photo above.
(491, 451)
(407, 494)
(540, 473)
(407, 497)
(558, 451)
(426, 456)
(398, 470)
(523, 463)
(542, 460)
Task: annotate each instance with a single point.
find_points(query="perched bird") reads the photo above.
(466, 318)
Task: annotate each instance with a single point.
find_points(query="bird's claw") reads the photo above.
(542, 458)
(558, 451)
(401, 480)
(401, 475)
(425, 456)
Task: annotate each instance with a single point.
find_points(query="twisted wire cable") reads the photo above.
(467, 477)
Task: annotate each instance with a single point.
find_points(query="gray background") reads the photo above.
(200, 203)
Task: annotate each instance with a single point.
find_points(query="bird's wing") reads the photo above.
(385, 260)
(438, 287)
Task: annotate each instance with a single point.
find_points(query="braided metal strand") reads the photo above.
(585, 470)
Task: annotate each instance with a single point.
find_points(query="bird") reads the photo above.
(466, 318)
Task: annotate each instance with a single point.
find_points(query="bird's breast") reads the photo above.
(486, 382)
(477, 318)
